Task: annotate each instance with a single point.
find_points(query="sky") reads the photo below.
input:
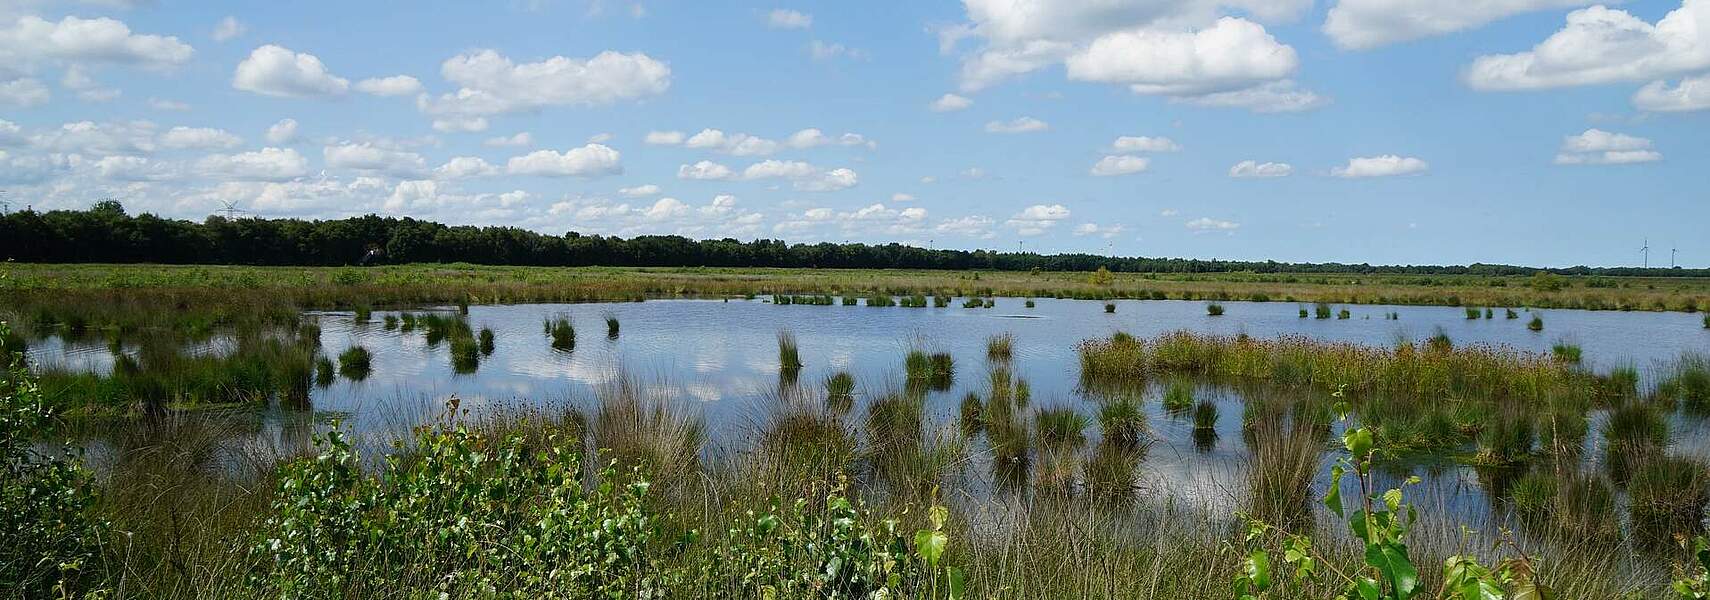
(1537, 132)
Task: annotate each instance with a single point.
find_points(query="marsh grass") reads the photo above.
(1214, 309)
(561, 332)
(881, 300)
(1109, 307)
(840, 391)
(1000, 347)
(1686, 381)
(1303, 312)
(1122, 421)
(642, 430)
(1344, 314)
(1567, 502)
(486, 341)
(1632, 433)
(1178, 397)
(1536, 324)
(1439, 341)
(611, 325)
(1029, 304)
(324, 372)
(1321, 311)
(354, 363)
(1061, 428)
(1508, 313)
(1473, 313)
(789, 353)
(1492, 372)
(1668, 495)
(1566, 352)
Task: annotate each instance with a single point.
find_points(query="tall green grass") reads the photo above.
(789, 353)
(561, 332)
(354, 363)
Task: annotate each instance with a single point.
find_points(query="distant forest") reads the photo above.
(106, 234)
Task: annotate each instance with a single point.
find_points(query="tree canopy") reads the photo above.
(106, 233)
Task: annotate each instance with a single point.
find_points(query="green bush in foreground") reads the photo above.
(464, 515)
(50, 538)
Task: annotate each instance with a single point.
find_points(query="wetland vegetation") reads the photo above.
(944, 477)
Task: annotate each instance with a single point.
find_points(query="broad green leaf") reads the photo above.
(1257, 567)
(1390, 559)
(1333, 498)
(929, 545)
(1358, 441)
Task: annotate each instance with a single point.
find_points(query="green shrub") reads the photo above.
(1536, 324)
(51, 536)
(1214, 309)
(334, 531)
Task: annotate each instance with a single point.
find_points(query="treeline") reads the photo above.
(107, 234)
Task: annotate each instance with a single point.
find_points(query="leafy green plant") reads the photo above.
(50, 539)
(460, 514)
(1214, 309)
(1536, 324)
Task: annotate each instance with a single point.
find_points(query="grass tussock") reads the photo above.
(1474, 371)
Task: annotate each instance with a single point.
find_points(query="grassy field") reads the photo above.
(191, 289)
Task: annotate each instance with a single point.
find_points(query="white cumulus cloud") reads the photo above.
(492, 83)
(199, 137)
(283, 132)
(1692, 93)
(1253, 168)
(1130, 143)
(592, 160)
(1386, 165)
(1123, 164)
(950, 103)
(396, 85)
(1017, 125)
(1363, 24)
(276, 71)
(266, 164)
(1603, 45)
(1599, 147)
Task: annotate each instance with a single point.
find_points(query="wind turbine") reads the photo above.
(1671, 253)
(1647, 250)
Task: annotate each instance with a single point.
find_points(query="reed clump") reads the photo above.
(1000, 347)
(1214, 309)
(561, 332)
(1474, 371)
(354, 363)
(611, 326)
(1668, 495)
(789, 353)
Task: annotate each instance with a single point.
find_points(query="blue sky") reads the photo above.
(1546, 132)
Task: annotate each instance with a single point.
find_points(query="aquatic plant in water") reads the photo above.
(562, 333)
(1214, 309)
(354, 363)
